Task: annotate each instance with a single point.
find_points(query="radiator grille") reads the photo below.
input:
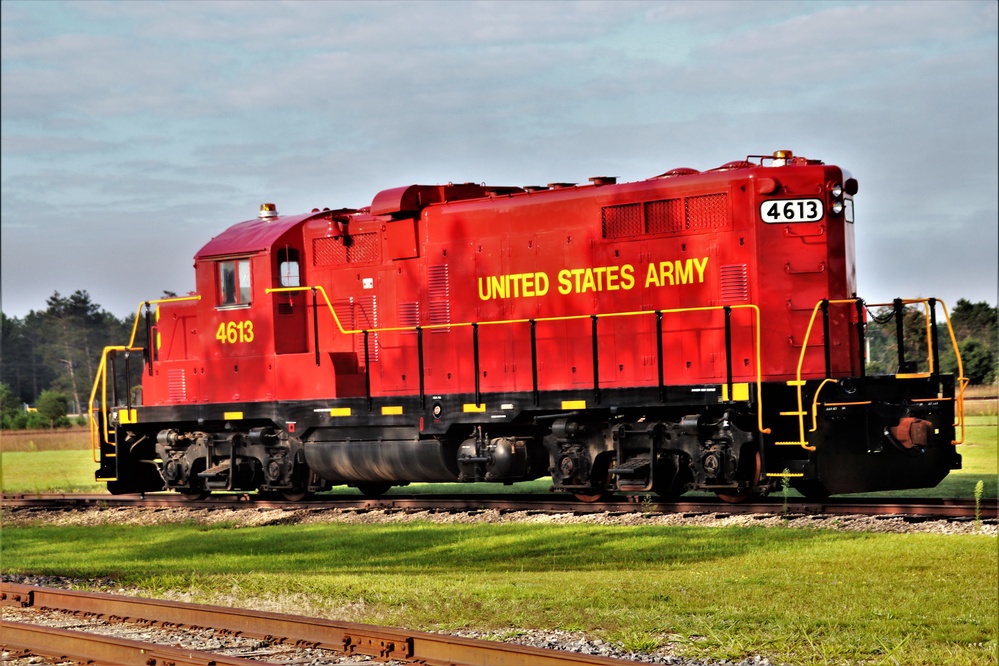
(709, 211)
(622, 220)
(665, 216)
(353, 249)
(693, 214)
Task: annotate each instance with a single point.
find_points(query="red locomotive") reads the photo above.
(695, 330)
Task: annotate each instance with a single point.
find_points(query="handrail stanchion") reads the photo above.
(367, 372)
(315, 325)
(659, 355)
(825, 338)
(114, 378)
(900, 332)
(475, 361)
(596, 358)
(728, 351)
(149, 340)
(934, 342)
(861, 338)
(534, 363)
(419, 363)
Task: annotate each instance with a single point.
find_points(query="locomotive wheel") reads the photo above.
(374, 488)
(737, 497)
(295, 496)
(811, 489)
(591, 497)
(195, 495)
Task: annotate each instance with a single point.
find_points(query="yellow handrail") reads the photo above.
(962, 381)
(799, 383)
(101, 380)
(755, 309)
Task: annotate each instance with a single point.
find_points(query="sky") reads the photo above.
(134, 132)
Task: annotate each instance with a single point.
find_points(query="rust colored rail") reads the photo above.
(106, 650)
(342, 637)
(921, 508)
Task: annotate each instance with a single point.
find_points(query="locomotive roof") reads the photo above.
(251, 236)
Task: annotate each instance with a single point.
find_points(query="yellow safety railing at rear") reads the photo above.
(962, 381)
(799, 384)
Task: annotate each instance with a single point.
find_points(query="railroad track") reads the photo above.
(273, 629)
(914, 508)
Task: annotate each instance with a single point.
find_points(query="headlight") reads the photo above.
(837, 207)
(836, 191)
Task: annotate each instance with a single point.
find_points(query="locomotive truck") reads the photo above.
(691, 331)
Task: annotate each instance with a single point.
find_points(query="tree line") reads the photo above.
(48, 358)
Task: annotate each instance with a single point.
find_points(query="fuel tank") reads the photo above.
(354, 461)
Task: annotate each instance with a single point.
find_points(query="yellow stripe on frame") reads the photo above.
(233, 416)
(573, 404)
(340, 411)
(126, 416)
(392, 410)
(469, 407)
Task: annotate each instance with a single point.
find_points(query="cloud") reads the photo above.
(140, 130)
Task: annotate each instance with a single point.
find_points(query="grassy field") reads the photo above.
(60, 461)
(800, 596)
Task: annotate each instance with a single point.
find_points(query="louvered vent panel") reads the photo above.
(665, 216)
(344, 309)
(626, 220)
(439, 295)
(359, 314)
(734, 283)
(409, 315)
(709, 211)
(177, 385)
(366, 316)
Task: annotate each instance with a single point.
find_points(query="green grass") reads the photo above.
(49, 472)
(793, 595)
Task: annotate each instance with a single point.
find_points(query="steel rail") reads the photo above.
(988, 509)
(90, 648)
(343, 637)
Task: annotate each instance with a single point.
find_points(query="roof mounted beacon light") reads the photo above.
(267, 211)
(782, 158)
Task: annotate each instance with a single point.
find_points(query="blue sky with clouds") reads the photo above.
(132, 132)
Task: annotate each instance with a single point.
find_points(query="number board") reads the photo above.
(778, 211)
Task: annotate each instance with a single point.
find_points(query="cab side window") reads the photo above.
(288, 270)
(234, 282)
